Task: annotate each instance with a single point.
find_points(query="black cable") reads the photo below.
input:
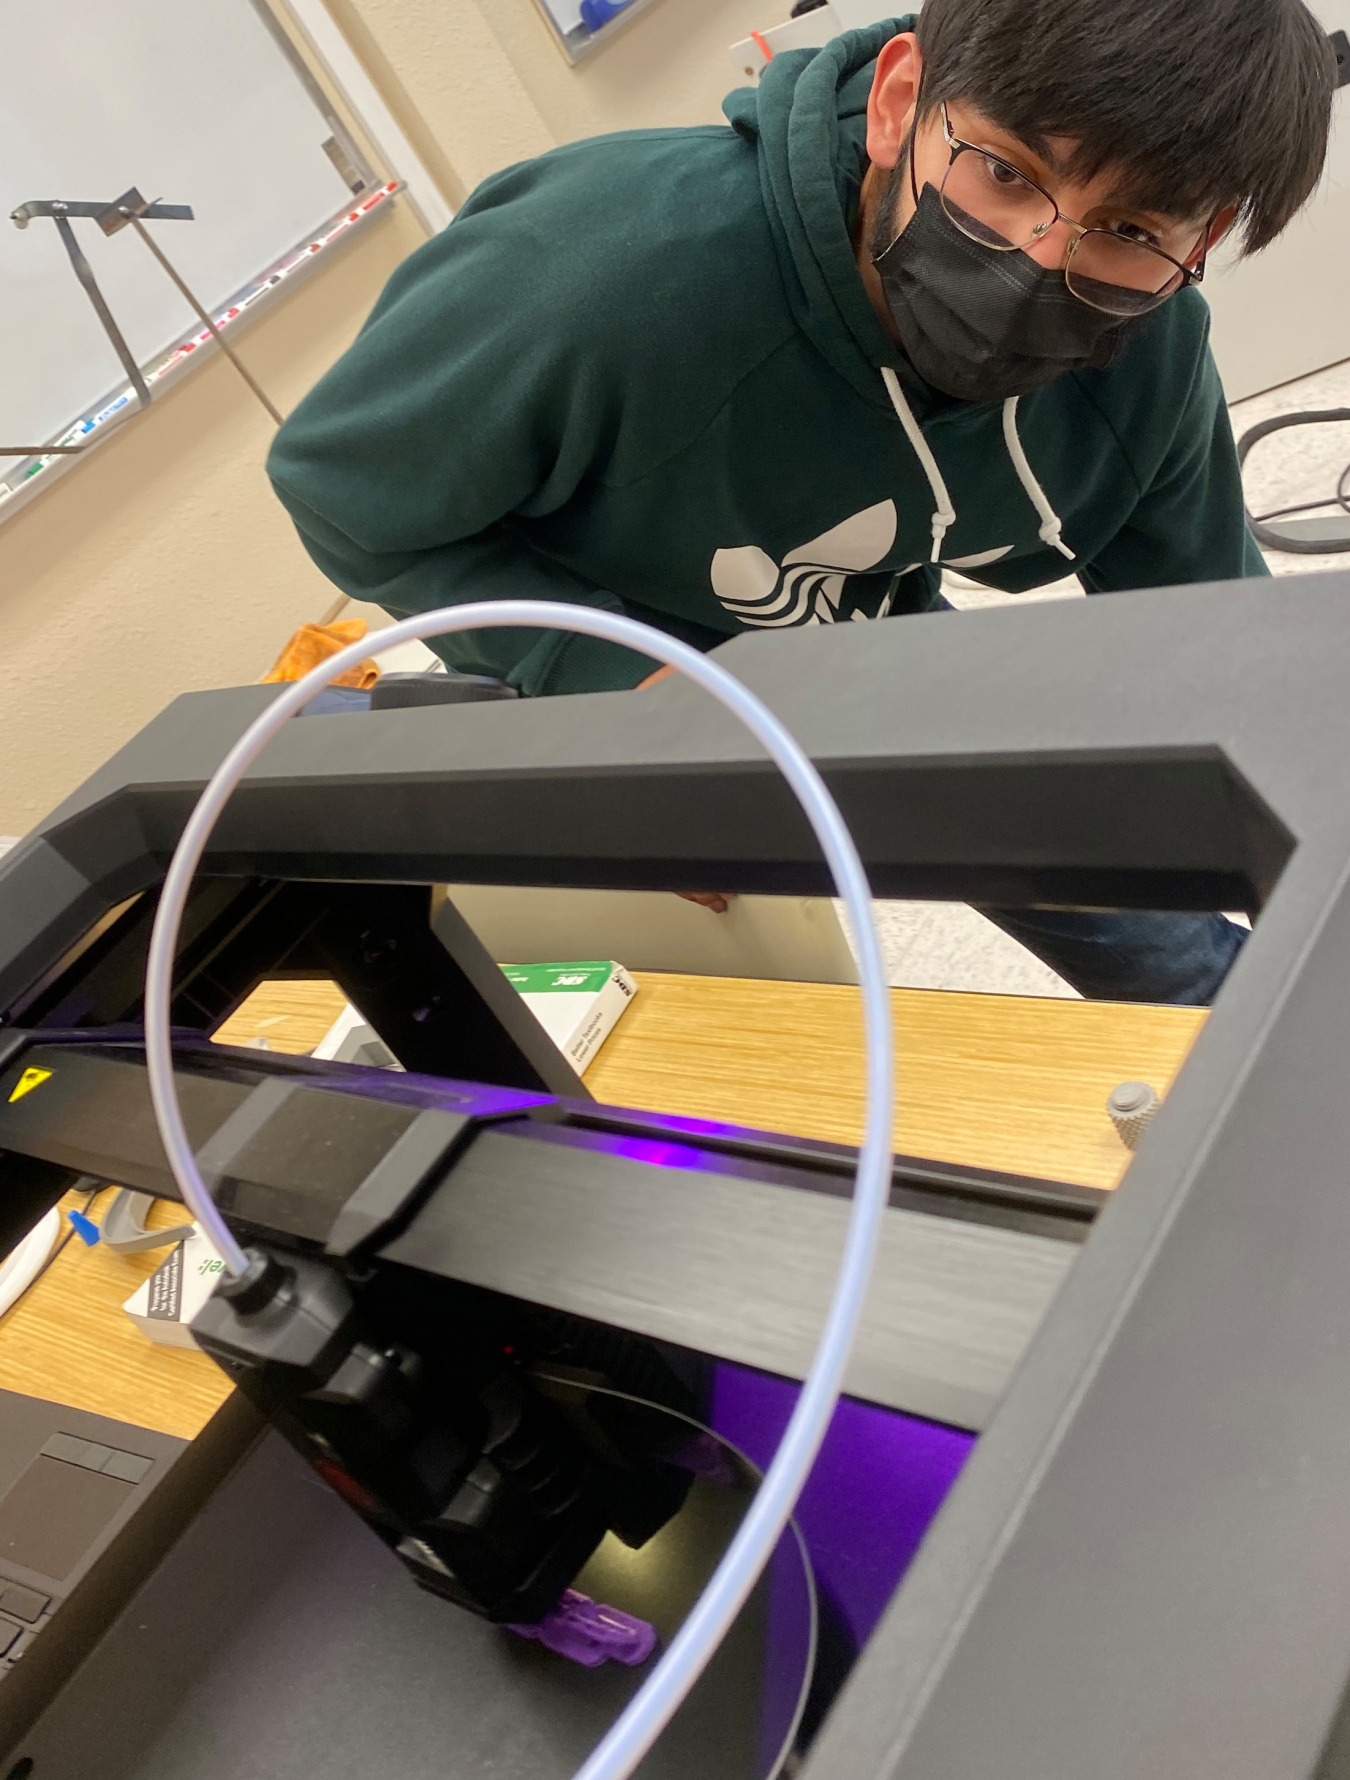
(1332, 500)
(1278, 540)
(1341, 499)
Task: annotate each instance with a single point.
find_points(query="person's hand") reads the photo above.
(706, 899)
(715, 900)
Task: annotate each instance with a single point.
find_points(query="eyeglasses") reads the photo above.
(1107, 265)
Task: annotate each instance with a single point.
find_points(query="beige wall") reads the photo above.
(164, 563)
(487, 80)
(669, 66)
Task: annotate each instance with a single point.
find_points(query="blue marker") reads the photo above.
(595, 14)
(85, 1228)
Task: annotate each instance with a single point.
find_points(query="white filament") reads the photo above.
(652, 1707)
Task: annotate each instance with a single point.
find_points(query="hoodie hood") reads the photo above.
(644, 372)
(808, 122)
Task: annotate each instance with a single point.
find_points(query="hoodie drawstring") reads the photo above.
(1050, 520)
(944, 514)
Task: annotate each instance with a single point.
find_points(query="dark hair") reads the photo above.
(1200, 103)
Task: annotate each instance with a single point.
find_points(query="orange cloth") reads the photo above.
(314, 643)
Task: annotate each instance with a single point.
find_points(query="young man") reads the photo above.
(928, 300)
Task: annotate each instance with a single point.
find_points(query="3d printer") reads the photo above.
(432, 1242)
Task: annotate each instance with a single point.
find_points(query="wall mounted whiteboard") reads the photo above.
(196, 104)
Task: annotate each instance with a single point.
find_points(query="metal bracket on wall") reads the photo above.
(61, 210)
(131, 209)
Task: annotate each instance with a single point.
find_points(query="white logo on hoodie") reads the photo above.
(808, 585)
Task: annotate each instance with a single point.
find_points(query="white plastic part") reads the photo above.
(23, 1263)
(1132, 1106)
(652, 1707)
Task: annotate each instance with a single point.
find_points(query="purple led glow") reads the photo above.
(877, 1484)
(691, 1130)
(657, 1152)
(474, 1099)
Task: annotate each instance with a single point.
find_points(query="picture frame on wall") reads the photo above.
(579, 26)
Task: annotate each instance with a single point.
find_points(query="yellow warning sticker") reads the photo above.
(30, 1079)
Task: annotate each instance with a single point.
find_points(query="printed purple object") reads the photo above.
(588, 1633)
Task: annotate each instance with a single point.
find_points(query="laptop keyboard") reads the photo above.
(23, 1613)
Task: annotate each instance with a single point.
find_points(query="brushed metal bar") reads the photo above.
(741, 1268)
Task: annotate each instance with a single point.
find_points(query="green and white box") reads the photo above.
(165, 1304)
(578, 1005)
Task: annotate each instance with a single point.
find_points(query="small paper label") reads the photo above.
(166, 1289)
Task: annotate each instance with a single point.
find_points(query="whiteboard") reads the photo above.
(191, 101)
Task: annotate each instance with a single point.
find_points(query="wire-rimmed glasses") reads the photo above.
(1107, 266)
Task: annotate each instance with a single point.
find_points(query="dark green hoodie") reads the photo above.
(642, 372)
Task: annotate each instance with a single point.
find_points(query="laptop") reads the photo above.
(88, 1506)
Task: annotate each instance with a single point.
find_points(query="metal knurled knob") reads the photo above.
(1132, 1106)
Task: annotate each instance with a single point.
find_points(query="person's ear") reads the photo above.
(894, 95)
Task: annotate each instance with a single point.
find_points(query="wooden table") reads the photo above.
(992, 1080)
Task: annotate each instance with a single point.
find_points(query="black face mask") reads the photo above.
(980, 325)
